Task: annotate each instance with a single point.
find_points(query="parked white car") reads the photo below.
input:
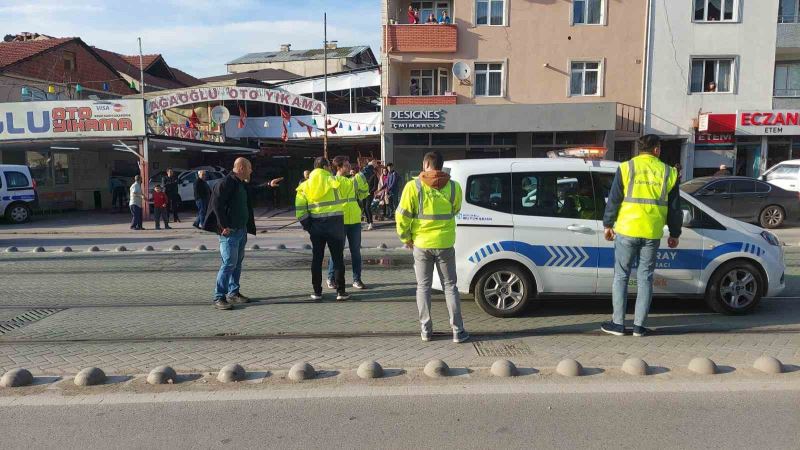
(187, 179)
(785, 175)
(17, 193)
(530, 228)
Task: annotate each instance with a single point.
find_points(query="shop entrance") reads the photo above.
(748, 160)
(671, 151)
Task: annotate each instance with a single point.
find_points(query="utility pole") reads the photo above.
(325, 71)
(144, 145)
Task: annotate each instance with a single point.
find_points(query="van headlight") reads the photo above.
(771, 238)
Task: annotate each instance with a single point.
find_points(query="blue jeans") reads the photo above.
(201, 213)
(353, 235)
(136, 217)
(628, 252)
(231, 248)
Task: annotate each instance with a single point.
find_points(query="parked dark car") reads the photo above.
(746, 199)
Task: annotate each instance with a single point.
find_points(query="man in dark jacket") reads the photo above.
(393, 188)
(230, 215)
(201, 195)
(170, 185)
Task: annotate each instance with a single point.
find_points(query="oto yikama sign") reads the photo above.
(71, 119)
(767, 123)
(217, 94)
(418, 120)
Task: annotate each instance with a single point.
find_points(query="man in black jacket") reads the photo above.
(201, 195)
(230, 215)
(170, 185)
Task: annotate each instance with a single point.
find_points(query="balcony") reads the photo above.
(788, 32)
(403, 38)
(422, 100)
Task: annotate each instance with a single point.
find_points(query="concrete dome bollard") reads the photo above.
(504, 368)
(231, 373)
(122, 248)
(635, 366)
(768, 364)
(437, 369)
(66, 250)
(569, 368)
(201, 248)
(703, 366)
(255, 247)
(39, 250)
(16, 378)
(12, 250)
(370, 369)
(307, 247)
(94, 249)
(382, 246)
(302, 371)
(90, 376)
(162, 375)
(148, 248)
(280, 247)
(174, 248)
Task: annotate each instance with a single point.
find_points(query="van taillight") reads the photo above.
(35, 185)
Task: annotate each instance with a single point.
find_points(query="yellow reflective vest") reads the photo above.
(427, 216)
(646, 183)
(352, 191)
(319, 197)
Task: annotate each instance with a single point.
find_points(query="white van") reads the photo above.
(18, 195)
(785, 174)
(533, 227)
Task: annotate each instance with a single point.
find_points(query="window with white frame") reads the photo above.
(421, 82)
(712, 75)
(716, 10)
(787, 79)
(488, 79)
(490, 12)
(588, 12)
(584, 78)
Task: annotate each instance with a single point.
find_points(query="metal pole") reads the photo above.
(145, 171)
(325, 71)
(141, 69)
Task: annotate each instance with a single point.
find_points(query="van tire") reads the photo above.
(722, 287)
(509, 281)
(18, 213)
(772, 217)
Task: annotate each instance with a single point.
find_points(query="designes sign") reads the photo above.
(417, 119)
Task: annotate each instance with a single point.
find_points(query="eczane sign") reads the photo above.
(768, 123)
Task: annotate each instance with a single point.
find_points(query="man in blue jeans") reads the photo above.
(644, 197)
(201, 195)
(230, 215)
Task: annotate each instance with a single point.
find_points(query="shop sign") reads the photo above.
(416, 119)
(216, 94)
(71, 119)
(768, 123)
(714, 139)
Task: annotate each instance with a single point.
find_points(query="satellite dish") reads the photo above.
(220, 114)
(461, 70)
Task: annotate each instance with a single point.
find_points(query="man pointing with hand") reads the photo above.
(644, 197)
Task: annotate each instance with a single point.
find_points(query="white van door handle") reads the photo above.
(579, 229)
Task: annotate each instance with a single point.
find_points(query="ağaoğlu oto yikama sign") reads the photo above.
(404, 120)
(71, 119)
(215, 94)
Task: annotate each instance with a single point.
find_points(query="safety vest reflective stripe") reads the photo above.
(646, 201)
(420, 215)
(336, 201)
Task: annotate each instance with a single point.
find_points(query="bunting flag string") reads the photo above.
(242, 117)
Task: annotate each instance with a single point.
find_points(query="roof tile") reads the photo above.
(13, 52)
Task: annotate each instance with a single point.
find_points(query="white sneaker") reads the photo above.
(331, 284)
(426, 337)
(316, 297)
(342, 297)
(369, 227)
(359, 285)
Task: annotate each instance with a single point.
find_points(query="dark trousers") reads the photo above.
(366, 206)
(118, 198)
(136, 217)
(161, 214)
(173, 205)
(201, 212)
(328, 232)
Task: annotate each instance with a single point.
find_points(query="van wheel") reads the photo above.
(772, 217)
(503, 290)
(18, 213)
(735, 288)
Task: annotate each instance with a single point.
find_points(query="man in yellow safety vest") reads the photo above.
(426, 223)
(644, 197)
(320, 211)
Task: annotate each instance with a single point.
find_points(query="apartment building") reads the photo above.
(717, 69)
(531, 77)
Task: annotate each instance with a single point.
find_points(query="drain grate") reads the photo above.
(506, 348)
(25, 318)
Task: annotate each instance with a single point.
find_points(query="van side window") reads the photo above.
(491, 191)
(783, 172)
(17, 180)
(554, 194)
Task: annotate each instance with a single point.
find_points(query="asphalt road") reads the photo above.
(713, 418)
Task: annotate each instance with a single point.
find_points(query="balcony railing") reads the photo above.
(789, 19)
(420, 38)
(786, 93)
(422, 100)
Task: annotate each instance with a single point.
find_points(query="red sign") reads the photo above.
(717, 123)
(714, 138)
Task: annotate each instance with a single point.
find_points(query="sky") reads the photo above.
(197, 36)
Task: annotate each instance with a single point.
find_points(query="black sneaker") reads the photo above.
(342, 296)
(330, 284)
(612, 328)
(359, 285)
(222, 304)
(641, 331)
(167, 227)
(238, 298)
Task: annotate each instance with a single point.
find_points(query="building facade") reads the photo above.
(511, 78)
(306, 63)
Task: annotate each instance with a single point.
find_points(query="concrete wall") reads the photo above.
(675, 39)
(538, 33)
